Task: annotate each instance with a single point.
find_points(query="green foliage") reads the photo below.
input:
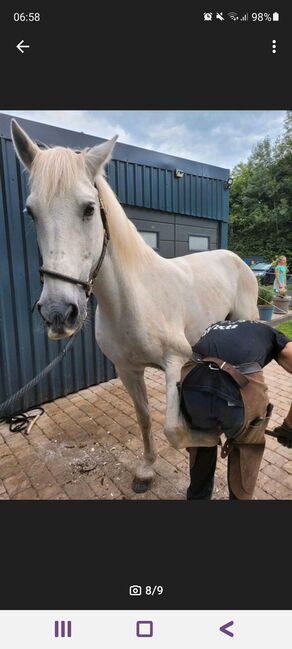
(285, 328)
(261, 200)
(265, 295)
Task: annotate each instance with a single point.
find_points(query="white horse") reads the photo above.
(150, 310)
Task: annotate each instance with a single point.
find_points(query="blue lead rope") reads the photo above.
(19, 420)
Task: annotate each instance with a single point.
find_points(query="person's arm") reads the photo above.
(284, 432)
(277, 273)
(285, 357)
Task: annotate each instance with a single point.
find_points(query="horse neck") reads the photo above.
(128, 259)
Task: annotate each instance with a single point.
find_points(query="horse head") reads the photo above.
(64, 203)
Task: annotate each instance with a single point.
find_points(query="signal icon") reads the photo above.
(245, 17)
(233, 15)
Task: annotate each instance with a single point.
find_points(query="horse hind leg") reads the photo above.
(244, 311)
(245, 307)
(135, 384)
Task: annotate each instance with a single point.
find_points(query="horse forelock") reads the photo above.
(55, 171)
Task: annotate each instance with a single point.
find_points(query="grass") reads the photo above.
(285, 328)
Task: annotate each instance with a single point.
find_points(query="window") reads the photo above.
(198, 243)
(151, 238)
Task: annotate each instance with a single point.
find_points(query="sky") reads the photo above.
(223, 138)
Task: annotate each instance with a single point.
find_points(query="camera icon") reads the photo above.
(135, 591)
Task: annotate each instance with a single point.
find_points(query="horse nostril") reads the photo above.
(71, 313)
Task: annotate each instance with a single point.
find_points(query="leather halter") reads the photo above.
(88, 286)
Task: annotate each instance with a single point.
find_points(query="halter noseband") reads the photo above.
(88, 286)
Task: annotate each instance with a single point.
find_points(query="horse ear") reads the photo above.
(97, 157)
(25, 148)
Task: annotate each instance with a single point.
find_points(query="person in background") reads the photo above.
(280, 275)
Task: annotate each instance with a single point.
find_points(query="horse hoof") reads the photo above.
(140, 486)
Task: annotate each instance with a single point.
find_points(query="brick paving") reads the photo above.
(87, 445)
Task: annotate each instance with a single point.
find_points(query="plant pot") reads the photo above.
(281, 304)
(266, 311)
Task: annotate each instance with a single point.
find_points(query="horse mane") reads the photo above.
(128, 245)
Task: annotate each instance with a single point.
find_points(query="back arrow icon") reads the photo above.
(224, 629)
(21, 46)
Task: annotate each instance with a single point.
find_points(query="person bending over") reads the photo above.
(222, 390)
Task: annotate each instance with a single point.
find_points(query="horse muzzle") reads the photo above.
(61, 319)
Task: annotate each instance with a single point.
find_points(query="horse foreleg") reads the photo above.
(135, 384)
(175, 427)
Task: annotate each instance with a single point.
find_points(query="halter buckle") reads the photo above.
(89, 288)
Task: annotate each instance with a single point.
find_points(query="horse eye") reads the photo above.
(89, 209)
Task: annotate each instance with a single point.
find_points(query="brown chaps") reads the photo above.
(246, 450)
(248, 446)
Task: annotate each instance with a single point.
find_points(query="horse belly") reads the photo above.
(126, 345)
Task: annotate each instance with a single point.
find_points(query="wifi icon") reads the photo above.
(233, 15)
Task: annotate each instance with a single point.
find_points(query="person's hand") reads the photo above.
(284, 434)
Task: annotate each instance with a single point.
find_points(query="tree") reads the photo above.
(261, 200)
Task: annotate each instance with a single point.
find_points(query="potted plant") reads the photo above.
(281, 301)
(265, 302)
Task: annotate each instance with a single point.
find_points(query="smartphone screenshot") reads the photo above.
(145, 325)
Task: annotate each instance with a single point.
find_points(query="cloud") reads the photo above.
(78, 120)
(222, 138)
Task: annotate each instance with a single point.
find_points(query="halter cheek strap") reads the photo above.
(88, 286)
